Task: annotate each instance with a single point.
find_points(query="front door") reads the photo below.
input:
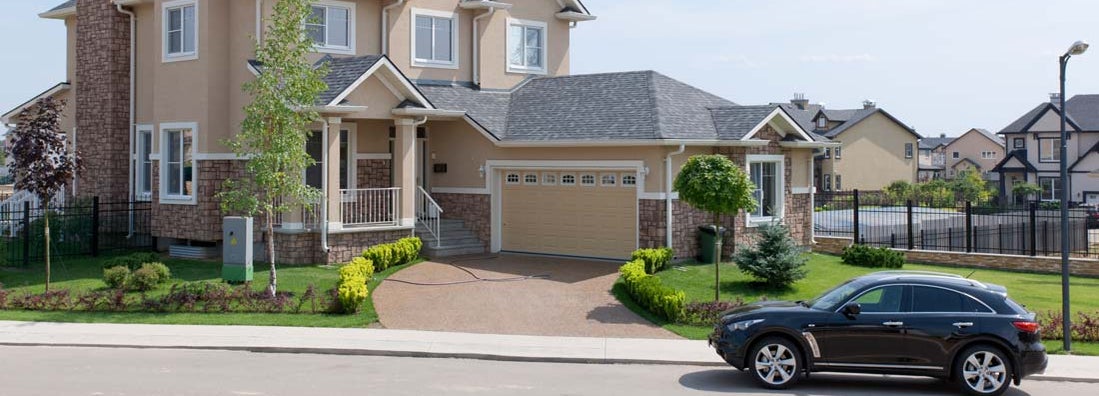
(871, 339)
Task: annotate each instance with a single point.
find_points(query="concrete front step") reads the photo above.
(470, 240)
(454, 250)
(456, 240)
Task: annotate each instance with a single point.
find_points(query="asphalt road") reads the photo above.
(94, 371)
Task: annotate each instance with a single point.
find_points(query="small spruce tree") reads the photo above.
(775, 259)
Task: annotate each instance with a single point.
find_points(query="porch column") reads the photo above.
(332, 169)
(404, 168)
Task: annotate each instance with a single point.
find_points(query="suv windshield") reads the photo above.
(837, 295)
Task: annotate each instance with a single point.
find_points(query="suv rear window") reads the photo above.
(1018, 308)
(932, 299)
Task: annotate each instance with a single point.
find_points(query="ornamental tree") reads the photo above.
(275, 128)
(1028, 190)
(970, 186)
(714, 184)
(40, 159)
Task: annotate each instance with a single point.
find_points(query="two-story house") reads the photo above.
(464, 110)
(1034, 150)
(978, 150)
(932, 158)
(874, 148)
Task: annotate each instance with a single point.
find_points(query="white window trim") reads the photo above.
(166, 198)
(536, 178)
(561, 179)
(507, 178)
(335, 49)
(184, 56)
(139, 169)
(508, 42)
(594, 177)
(455, 30)
(549, 174)
(780, 184)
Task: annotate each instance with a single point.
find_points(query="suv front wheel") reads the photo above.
(983, 371)
(775, 363)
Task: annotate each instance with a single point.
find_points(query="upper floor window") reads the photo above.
(331, 26)
(822, 122)
(988, 154)
(177, 170)
(434, 39)
(526, 46)
(180, 30)
(956, 155)
(1049, 150)
(839, 152)
(908, 150)
(1019, 143)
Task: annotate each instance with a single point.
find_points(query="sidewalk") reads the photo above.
(413, 344)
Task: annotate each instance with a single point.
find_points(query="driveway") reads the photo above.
(574, 299)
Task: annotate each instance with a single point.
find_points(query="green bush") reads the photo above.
(866, 256)
(393, 254)
(364, 266)
(132, 261)
(116, 277)
(775, 259)
(144, 279)
(162, 272)
(649, 292)
(655, 259)
(351, 289)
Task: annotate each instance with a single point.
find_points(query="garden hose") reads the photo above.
(475, 279)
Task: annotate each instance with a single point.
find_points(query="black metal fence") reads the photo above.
(87, 227)
(1030, 229)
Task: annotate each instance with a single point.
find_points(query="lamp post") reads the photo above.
(1077, 48)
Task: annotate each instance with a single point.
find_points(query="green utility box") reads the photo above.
(237, 249)
(706, 238)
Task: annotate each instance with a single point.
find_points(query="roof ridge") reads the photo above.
(653, 105)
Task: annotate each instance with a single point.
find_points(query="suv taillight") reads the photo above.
(1026, 326)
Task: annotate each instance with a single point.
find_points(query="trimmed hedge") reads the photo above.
(351, 289)
(649, 292)
(132, 261)
(866, 256)
(655, 259)
(393, 254)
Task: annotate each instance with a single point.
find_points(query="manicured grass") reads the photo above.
(85, 274)
(1038, 292)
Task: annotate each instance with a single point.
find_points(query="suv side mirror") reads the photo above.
(852, 309)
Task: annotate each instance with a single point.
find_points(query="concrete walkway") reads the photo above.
(413, 344)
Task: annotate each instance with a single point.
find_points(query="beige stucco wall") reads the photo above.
(494, 74)
(873, 155)
(970, 145)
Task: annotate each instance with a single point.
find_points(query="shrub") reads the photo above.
(655, 259)
(364, 266)
(393, 254)
(132, 261)
(144, 279)
(162, 272)
(866, 256)
(649, 292)
(351, 288)
(116, 277)
(3, 297)
(775, 259)
(707, 313)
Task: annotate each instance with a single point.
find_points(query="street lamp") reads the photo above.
(1077, 48)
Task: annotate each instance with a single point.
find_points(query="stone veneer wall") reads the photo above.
(304, 248)
(1043, 264)
(373, 173)
(474, 209)
(102, 99)
(201, 222)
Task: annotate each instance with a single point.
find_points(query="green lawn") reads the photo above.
(85, 274)
(1038, 292)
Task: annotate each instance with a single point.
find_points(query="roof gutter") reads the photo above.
(329, 109)
(803, 144)
(422, 112)
(634, 142)
(385, 24)
(59, 13)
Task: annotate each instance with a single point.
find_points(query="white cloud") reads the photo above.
(838, 58)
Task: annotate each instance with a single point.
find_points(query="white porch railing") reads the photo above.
(428, 213)
(309, 218)
(11, 209)
(370, 207)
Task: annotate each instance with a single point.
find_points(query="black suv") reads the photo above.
(893, 322)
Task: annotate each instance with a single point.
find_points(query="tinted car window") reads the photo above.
(882, 299)
(931, 299)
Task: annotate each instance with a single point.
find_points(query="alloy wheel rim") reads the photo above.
(984, 372)
(775, 364)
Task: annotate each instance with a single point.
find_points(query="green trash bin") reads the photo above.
(706, 238)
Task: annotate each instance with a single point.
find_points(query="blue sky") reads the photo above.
(938, 65)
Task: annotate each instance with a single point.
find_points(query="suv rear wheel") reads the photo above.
(775, 363)
(983, 371)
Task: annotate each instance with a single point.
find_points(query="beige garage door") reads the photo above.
(574, 213)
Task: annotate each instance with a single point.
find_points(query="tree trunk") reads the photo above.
(717, 257)
(47, 218)
(273, 278)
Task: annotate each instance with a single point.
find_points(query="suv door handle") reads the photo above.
(893, 324)
(962, 325)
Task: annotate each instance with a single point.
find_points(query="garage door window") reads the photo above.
(629, 180)
(587, 180)
(530, 179)
(766, 172)
(549, 179)
(568, 179)
(609, 180)
(512, 178)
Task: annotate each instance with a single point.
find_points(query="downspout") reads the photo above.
(324, 187)
(130, 127)
(259, 22)
(812, 200)
(476, 46)
(668, 192)
(385, 25)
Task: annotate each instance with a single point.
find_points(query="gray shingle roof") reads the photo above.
(1083, 112)
(67, 4)
(842, 115)
(342, 72)
(490, 109)
(930, 143)
(733, 123)
(862, 114)
(990, 135)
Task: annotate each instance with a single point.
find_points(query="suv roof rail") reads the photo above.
(906, 272)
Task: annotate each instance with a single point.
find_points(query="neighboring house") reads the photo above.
(876, 148)
(464, 109)
(932, 159)
(1034, 155)
(976, 149)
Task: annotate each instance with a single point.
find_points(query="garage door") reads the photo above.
(575, 213)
